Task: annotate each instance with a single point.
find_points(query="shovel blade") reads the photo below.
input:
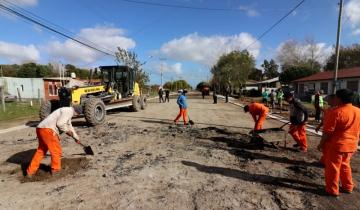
(191, 122)
(88, 150)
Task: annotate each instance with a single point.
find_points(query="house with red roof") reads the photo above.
(347, 78)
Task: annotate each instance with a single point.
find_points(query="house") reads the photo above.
(52, 85)
(24, 88)
(347, 78)
(270, 84)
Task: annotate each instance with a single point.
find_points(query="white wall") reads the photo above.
(28, 86)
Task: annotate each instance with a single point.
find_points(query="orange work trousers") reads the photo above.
(298, 132)
(324, 153)
(48, 140)
(337, 166)
(183, 113)
(260, 122)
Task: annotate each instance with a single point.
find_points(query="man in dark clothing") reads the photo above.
(227, 93)
(161, 93)
(215, 96)
(167, 95)
(318, 103)
(298, 118)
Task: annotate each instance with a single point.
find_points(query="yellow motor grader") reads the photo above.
(118, 89)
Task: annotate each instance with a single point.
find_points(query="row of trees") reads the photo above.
(176, 85)
(33, 70)
(295, 60)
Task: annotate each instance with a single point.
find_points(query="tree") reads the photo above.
(201, 85)
(233, 68)
(294, 53)
(349, 57)
(270, 69)
(131, 59)
(256, 74)
(27, 70)
(10, 70)
(176, 85)
(292, 73)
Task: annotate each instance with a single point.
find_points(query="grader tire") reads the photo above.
(136, 104)
(95, 112)
(143, 102)
(47, 108)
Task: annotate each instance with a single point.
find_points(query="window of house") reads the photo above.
(301, 88)
(22, 88)
(353, 85)
(311, 86)
(53, 89)
(324, 87)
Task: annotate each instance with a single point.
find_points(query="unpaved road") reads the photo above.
(142, 162)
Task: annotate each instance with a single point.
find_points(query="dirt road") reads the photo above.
(143, 162)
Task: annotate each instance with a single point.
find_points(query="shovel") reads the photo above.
(87, 149)
(190, 121)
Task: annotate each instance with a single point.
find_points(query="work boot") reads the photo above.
(296, 145)
(342, 190)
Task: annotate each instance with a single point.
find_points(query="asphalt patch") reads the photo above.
(69, 166)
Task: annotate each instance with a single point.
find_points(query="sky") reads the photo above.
(184, 43)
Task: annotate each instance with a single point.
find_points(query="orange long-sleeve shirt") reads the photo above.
(343, 126)
(257, 109)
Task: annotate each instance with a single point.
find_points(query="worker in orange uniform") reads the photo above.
(181, 101)
(258, 112)
(330, 99)
(298, 118)
(48, 135)
(341, 134)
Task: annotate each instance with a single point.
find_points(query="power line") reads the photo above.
(53, 24)
(275, 24)
(21, 15)
(180, 6)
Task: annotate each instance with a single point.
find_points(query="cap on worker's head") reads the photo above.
(288, 94)
(246, 108)
(345, 95)
(78, 109)
(180, 91)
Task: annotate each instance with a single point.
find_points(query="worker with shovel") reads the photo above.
(341, 136)
(298, 118)
(181, 101)
(48, 132)
(259, 112)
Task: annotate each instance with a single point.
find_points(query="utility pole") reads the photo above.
(161, 69)
(337, 47)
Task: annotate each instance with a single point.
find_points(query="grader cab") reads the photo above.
(118, 89)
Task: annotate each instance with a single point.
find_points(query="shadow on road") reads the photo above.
(23, 159)
(259, 178)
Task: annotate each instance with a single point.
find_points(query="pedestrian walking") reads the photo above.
(280, 96)
(181, 101)
(227, 93)
(273, 99)
(298, 118)
(265, 97)
(167, 95)
(161, 95)
(215, 96)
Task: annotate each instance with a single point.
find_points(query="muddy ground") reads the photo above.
(142, 161)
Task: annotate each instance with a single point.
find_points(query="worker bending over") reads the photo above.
(258, 112)
(298, 118)
(181, 101)
(48, 132)
(341, 136)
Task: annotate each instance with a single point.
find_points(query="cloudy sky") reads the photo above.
(183, 42)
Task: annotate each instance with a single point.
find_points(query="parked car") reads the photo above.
(10, 98)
